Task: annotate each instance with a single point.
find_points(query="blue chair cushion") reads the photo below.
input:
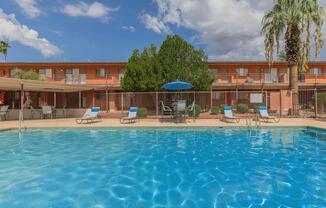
(227, 107)
(133, 109)
(95, 109)
(262, 107)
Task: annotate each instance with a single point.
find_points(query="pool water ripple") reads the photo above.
(147, 167)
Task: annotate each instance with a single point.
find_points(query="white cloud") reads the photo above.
(12, 30)
(94, 10)
(155, 24)
(229, 28)
(29, 7)
(130, 28)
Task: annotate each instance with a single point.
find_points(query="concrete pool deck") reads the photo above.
(70, 123)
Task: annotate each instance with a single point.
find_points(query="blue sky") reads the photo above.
(108, 30)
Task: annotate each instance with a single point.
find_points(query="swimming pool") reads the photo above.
(152, 167)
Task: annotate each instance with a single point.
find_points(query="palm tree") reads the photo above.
(4, 49)
(293, 20)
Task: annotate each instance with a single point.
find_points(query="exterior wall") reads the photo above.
(227, 81)
(226, 72)
(112, 79)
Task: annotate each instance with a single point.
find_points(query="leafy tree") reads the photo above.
(21, 74)
(141, 73)
(294, 20)
(179, 60)
(176, 59)
(31, 74)
(17, 73)
(4, 49)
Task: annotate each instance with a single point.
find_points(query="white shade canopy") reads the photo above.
(12, 84)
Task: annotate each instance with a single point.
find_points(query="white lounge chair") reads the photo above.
(90, 115)
(263, 115)
(228, 115)
(4, 111)
(132, 116)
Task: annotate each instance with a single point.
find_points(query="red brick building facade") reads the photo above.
(230, 77)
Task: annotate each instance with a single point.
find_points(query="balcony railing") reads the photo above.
(251, 78)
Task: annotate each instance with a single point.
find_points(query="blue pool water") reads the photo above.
(140, 168)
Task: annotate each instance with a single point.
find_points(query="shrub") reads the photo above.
(321, 97)
(215, 110)
(142, 113)
(222, 108)
(197, 111)
(207, 108)
(255, 107)
(242, 108)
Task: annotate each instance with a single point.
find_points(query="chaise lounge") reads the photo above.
(132, 116)
(264, 116)
(91, 115)
(228, 115)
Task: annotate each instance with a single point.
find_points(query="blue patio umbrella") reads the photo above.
(177, 85)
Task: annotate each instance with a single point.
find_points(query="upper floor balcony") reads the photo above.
(272, 77)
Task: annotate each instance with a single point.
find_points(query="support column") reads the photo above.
(225, 98)
(266, 99)
(157, 107)
(122, 102)
(316, 103)
(93, 98)
(211, 99)
(54, 99)
(21, 113)
(79, 99)
(106, 100)
(280, 103)
(194, 106)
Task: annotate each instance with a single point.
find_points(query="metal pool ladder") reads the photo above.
(249, 122)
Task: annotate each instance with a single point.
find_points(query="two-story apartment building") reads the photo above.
(105, 77)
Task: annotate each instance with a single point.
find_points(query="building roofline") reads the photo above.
(123, 63)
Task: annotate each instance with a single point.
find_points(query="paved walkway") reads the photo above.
(66, 123)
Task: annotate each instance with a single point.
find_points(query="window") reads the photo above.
(242, 72)
(284, 72)
(101, 72)
(45, 73)
(217, 95)
(68, 76)
(214, 74)
(224, 74)
(256, 74)
(316, 72)
(243, 96)
(82, 76)
(121, 74)
(57, 75)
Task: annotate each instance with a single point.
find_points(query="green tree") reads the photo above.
(180, 60)
(141, 73)
(17, 73)
(4, 49)
(31, 74)
(21, 74)
(293, 20)
(176, 59)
